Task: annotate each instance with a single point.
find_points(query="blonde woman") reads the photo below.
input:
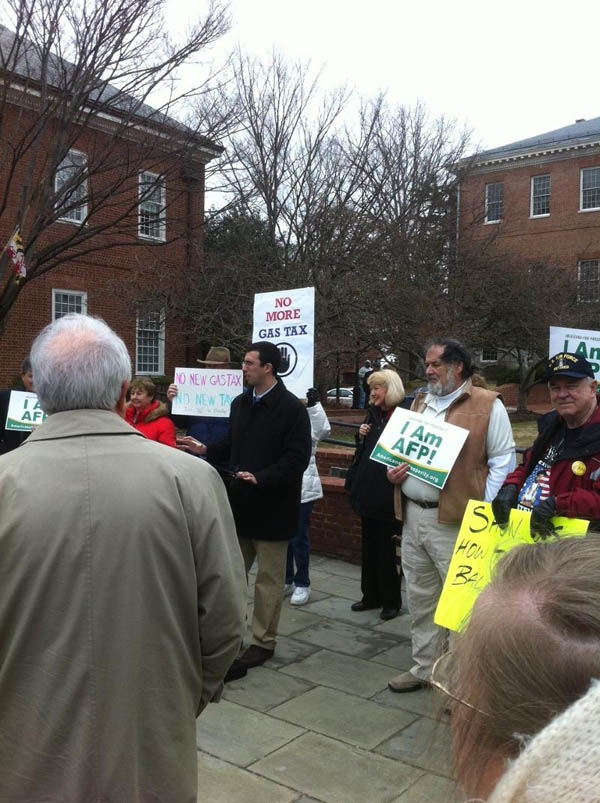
(372, 498)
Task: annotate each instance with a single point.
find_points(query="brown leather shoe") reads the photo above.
(406, 682)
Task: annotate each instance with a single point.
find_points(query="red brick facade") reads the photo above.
(111, 277)
(561, 238)
(334, 526)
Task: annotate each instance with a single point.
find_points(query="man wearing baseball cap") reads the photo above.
(560, 475)
(206, 429)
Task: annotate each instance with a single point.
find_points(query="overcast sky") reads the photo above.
(507, 70)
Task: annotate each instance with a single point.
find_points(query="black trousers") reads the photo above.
(379, 580)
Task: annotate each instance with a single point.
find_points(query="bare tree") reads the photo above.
(359, 207)
(508, 304)
(85, 72)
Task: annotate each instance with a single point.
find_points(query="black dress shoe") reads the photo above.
(236, 671)
(389, 613)
(363, 606)
(255, 656)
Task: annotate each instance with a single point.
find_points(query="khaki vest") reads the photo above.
(469, 474)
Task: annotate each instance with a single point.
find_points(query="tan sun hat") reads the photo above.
(216, 356)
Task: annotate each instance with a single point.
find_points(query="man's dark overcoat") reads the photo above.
(271, 439)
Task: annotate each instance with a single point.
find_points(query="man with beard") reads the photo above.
(432, 517)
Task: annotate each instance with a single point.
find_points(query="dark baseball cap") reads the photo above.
(565, 364)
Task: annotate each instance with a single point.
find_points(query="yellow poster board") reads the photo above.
(480, 544)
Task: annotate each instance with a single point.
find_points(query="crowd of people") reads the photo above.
(123, 600)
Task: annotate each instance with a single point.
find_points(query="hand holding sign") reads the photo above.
(398, 474)
(429, 447)
(480, 544)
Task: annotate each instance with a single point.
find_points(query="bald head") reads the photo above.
(79, 363)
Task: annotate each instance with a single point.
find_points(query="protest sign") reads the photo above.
(480, 543)
(287, 319)
(430, 447)
(584, 342)
(24, 411)
(206, 391)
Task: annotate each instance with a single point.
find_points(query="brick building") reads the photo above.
(537, 202)
(122, 189)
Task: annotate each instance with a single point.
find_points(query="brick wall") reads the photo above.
(538, 398)
(562, 238)
(334, 527)
(112, 275)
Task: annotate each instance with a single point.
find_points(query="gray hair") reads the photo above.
(79, 363)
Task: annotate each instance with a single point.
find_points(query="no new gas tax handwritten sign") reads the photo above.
(206, 391)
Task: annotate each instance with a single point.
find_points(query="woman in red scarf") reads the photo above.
(147, 414)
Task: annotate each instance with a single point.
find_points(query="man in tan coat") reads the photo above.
(432, 517)
(122, 596)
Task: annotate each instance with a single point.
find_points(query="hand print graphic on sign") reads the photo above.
(289, 359)
(287, 319)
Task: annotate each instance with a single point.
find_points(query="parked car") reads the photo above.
(346, 395)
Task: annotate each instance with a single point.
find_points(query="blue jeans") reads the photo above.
(299, 550)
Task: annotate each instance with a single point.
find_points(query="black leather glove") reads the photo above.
(540, 525)
(312, 397)
(505, 500)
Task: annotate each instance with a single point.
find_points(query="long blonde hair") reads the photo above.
(392, 383)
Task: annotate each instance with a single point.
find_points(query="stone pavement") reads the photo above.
(317, 722)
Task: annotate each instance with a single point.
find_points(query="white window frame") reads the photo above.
(76, 214)
(159, 207)
(532, 196)
(581, 298)
(484, 359)
(581, 207)
(161, 345)
(487, 186)
(74, 293)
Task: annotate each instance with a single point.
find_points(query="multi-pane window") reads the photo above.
(151, 216)
(65, 301)
(150, 343)
(590, 188)
(494, 202)
(588, 280)
(71, 187)
(540, 196)
(489, 355)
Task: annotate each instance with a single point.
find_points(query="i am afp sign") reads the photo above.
(583, 342)
(24, 411)
(429, 447)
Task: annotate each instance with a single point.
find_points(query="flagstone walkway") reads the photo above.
(317, 722)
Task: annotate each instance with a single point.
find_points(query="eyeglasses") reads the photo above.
(246, 363)
(441, 678)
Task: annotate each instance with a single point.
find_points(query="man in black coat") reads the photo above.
(267, 450)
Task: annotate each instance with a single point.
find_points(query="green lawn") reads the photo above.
(525, 432)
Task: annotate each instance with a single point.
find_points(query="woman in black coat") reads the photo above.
(372, 498)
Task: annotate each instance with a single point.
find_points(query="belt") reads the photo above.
(425, 505)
